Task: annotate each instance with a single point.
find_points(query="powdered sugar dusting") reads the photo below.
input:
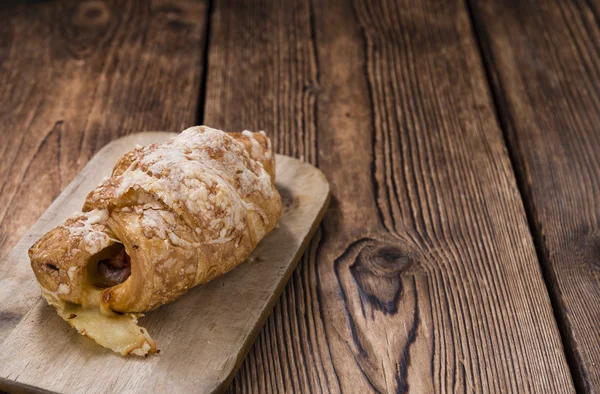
(91, 227)
(256, 148)
(63, 288)
(71, 272)
(203, 175)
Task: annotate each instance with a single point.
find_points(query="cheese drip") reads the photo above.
(118, 332)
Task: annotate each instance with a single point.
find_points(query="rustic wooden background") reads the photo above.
(461, 251)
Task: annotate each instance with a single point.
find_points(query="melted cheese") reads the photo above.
(120, 333)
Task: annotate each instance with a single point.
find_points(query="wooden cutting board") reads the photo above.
(203, 336)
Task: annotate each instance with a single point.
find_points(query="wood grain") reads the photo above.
(77, 74)
(545, 66)
(424, 276)
(203, 336)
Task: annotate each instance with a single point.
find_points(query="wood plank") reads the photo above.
(203, 336)
(424, 275)
(76, 75)
(545, 66)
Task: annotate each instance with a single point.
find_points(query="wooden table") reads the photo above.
(461, 251)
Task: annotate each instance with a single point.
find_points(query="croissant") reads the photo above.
(171, 216)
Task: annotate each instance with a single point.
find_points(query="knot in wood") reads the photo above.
(587, 250)
(390, 259)
(377, 270)
(92, 13)
(176, 18)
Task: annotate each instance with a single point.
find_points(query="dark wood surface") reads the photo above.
(424, 276)
(75, 75)
(546, 74)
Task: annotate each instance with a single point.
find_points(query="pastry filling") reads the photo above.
(117, 331)
(110, 267)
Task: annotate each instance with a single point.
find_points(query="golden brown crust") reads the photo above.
(258, 146)
(186, 211)
(60, 257)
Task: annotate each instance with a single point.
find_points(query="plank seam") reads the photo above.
(205, 64)
(503, 117)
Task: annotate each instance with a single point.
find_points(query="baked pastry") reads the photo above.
(171, 216)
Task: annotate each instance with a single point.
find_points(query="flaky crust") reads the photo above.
(186, 211)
